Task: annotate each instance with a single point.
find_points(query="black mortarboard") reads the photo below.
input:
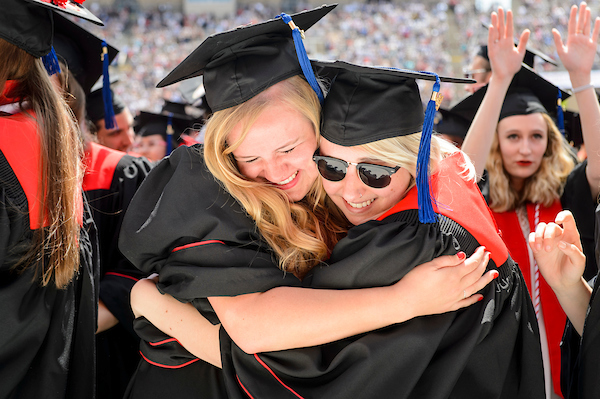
(183, 110)
(528, 93)
(81, 50)
(71, 7)
(361, 95)
(240, 63)
(27, 26)
(95, 105)
(148, 124)
(451, 124)
(367, 104)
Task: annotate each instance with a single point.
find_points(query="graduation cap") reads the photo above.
(451, 124)
(95, 105)
(183, 110)
(367, 104)
(240, 63)
(71, 7)
(169, 127)
(528, 93)
(81, 50)
(28, 24)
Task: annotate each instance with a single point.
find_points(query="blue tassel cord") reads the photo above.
(109, 112)
(307, 70)
(170, 132)
(426, 212)
(560, 117)
(51, 62)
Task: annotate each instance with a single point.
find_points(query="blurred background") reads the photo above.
(153, 36)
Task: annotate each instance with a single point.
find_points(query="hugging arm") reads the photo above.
(559, 255)
(505, 60)
(290, 317)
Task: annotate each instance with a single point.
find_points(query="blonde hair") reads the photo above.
(545, 186)
(55, 249)
(404, 150)
(301, 234)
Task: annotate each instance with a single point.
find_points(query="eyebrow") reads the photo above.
(291, 144)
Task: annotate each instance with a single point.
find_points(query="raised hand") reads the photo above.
(577, 54)
(505, 58)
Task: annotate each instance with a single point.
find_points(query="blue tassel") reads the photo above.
(109, 112)
(560, 117)
(426, 212)
(51, 62)
(170, 132)
(307, 70)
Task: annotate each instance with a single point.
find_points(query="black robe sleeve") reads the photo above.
(577, 197)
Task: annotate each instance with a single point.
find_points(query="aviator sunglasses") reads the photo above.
(334, 169)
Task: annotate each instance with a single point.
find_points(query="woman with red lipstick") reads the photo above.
(529, 161)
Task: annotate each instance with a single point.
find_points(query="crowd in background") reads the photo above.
(438, 37)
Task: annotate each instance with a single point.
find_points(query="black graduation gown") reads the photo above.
(581, 380)
(488, 350)
(47, 335)
(184, 226)
(577, 198)
(110, 181)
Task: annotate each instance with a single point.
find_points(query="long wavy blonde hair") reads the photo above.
(404, 150)
(544, 187)
(301, 234)
(55, 248)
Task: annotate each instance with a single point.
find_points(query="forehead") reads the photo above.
(523, 123)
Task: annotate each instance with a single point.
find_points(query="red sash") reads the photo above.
(554, 316)
(100, 164)
(462, 202)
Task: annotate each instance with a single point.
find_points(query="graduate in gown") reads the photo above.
(529, 160)
(48, 270)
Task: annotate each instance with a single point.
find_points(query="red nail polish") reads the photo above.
(496, 274)
(480, 299)
(461, 255)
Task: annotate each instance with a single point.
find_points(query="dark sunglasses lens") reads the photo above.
(374, 176)
(331, 169)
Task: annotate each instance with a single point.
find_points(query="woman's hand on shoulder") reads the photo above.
(558, 252)
(505, 58)
(579, 51)
(447, 283)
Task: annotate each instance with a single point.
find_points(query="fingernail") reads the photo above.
(461, 255)
(480, 299)
(495, 273)
(562, 245)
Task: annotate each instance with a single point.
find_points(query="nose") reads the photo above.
(275, 172)
(353, 186)
(525, 147)
(127, 141)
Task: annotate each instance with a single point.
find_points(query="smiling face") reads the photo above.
(359, 202)
(523, 140)
(278, 150)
